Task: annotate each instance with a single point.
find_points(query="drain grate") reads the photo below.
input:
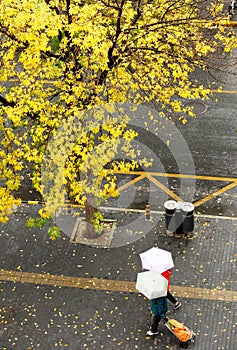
(197, 106)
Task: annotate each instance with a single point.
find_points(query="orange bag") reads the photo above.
(179, 329)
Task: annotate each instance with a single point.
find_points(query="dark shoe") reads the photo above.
(177, 305)
(152, 333)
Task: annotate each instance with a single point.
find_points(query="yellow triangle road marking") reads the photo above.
(151, 177)
(215, 194)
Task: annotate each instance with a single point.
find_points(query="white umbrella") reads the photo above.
(151, 284)
(156, 259)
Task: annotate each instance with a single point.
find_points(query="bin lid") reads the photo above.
(187, 207)
(170, 204)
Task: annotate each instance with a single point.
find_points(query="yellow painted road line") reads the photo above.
(164, 188)
(111, 285)
(225, 91)
(211, 178)
(133, 181)
(151, 176)
(202, 177)
(33, 202)
(230, 24)
(181, 176)
(215, 194)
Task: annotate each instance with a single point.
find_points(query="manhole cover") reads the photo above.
(197, 107)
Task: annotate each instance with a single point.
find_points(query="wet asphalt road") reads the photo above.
(208, 142)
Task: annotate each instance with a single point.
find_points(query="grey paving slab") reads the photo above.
(51, 318)
(48, 317)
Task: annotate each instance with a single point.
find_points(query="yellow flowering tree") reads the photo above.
(62, 57)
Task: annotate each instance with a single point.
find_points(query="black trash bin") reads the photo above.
(179, 220)
(170, 222)
(187, 210)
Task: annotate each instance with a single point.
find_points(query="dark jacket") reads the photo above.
(159, 306)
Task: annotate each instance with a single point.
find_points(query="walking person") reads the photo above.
(158, 308)
(170, 297)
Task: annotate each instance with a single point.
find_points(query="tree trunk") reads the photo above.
(90, 210)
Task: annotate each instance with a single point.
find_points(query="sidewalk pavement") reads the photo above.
(68, 303)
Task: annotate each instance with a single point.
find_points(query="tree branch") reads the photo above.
(54, 8)
(6, 103)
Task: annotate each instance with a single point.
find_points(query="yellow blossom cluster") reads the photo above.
(64, 64)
